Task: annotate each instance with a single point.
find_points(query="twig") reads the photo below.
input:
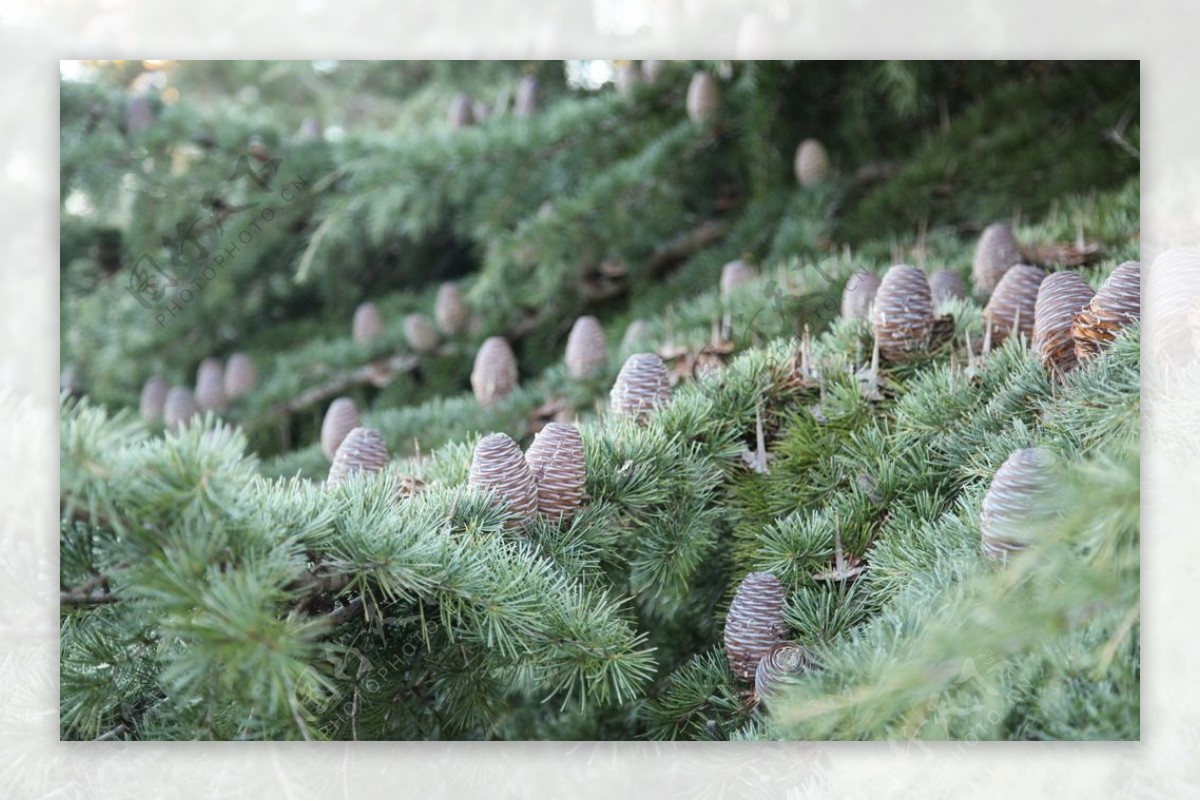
(114, 733)
(92, 592)
(340, 382)
(343, 614)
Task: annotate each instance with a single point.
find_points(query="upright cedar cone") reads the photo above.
(556, 461)
(154, 396)
(368, 324)
(903, 313)
(499, 466)
(364, 450)
(637, 330)
(859, 294)
(179, 408)
(140, 113)
(734, 274)
(419, 331)
(703, 98)
(946, 285)
(449, 310)
(495, 373)
(210, 385)
(755, 622)
(626, 78)
(811, 163)
(782, 661)
(641, 387)
(240, 376)
(587, 352)
(1118, 303)
(1015, 502)
(1060, 298)
(1168, 333)
(1013, 305)
(526, 103)
(651, 69)
(481, 110)
(996, 252)
(461, 113)
(340, 419)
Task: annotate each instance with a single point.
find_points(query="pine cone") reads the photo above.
(637, 330)
(480, 111)
(651, 69)
(179, 408)
(556, 461)
(703, 98)
(495, 373)
(859, 294)
(364, 450)
(340, 419)
(811, 163)
(587, 352)
(140, 113)
(1170, 338)
(210, 385)
(733, 274)
(449, 309)
(996, 252)
(240, 376)
(499, 465)
(1013, 503)
(461, 113)
(154, 396)
(419, 331)
(368, 324)
(903, 313)
(1060, 298)
(526, 103)
(626, 78)
(784, 660)
(946, 285)
(641, 387)
(755, 622)
(1012, 307)
(1117, 303)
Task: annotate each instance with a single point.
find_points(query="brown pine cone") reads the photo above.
(755, 623)
(859, 294)
(240, 376)
(419, 331)
(210, 385)
(154, 396)
(733, 274)
(587, 352)
(1060, 298)
(996, 252)
(1014, 502)
(494, 375)
(556, 460)
(811, 163)
(450, 310)
(1011, 309)
(368, 323)
(499, 465)
(340, 419)
(641, 387)
(903, 313)
(703, 98)
(783, 661)
(178, 408)
(1118, 303)
(946, 285)
(364, 450)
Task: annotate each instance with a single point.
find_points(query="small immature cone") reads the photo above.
(703, 98)
(368, 323)
(811, 163)
(450, 310)
(494, 375)
(996, 252)
(364, 450)
(154, 396)
(419, 331)
(1118, 303)
(734, 274)
(946, 285)
(587, 352)
(641, 387)
(210, 385)
(526, 102)
(626, 78)
(859, 294)
(651, 69)
(1013, 305)
(637, 330)
(1060, 298)
(500, 466)
(178, 408)
(481, 110)
(755, 623)
(903, 313)
(1014, 502)
(340, 419)
(782, 661)
(240, 376)
(556, 461)
(139, 113)
(461, 112)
